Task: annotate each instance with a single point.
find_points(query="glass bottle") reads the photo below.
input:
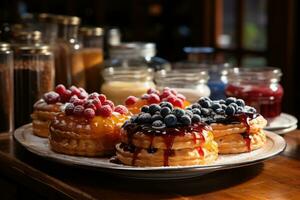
(259, 87)
(69, 64)
(6, 87)
(190, 82)
(92, 53)
(33, 76)
(121, 82)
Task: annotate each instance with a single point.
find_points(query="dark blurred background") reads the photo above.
(244, 32)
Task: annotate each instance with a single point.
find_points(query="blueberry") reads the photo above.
(240, 102)
(230, 110)
(223, 106)
(144, 118)
(158, 124)
(188, 108)
(134, 119)
(196, 118)
(252, 110)
(153, 108)
(203, 99)
(234, 105)
(216, 106)
(196, 111)
(222, 101)
(189, 113)
(185, 120)
(205, 111)
(220, 111)
(220, 118)
(230, 100)
(170, 120)
(178, 112)
(145, 109)
(196, 105)
(165, 111)
(166, 104)
(156, 117)
(239, 110)
(206, 104)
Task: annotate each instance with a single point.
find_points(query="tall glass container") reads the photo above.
(33, 76)
(92, 53)
(6, 88)
(48, 26)
(69, 64)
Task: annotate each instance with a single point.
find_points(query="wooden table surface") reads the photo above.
(278, 178)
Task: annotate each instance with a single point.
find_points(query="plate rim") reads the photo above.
(273, 128)
(282, 145)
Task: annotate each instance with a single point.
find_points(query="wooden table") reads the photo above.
(24, 174)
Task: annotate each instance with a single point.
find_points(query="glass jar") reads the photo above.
(92, 53)
(27, 38)
(6, 86)
(69, 64)
(33, 76)
(48, 26)
(121, 82)
(259, 87)
(192, 83)
(200, 54)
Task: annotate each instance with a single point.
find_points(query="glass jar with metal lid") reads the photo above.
(92, 53)
(48, 26)
(28, 38)
(68, 58)
(33, 76)
(190, 82)
(259, 87)
(121, 82)
(6, 85)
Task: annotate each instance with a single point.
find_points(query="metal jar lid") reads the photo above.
(91, 31)
(40, 49)
(46, 17)
(35, 36)
(67, 20)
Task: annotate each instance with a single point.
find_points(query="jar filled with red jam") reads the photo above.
(259, 87)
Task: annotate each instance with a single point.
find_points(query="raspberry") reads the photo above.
(166, 89)
(152, 91)
(131, 100)
(81, 89)
(69, 109)
(171, 99)
(178, 103)
(173, 91)
(165, 94)
(51, 97)
(110, 103)
(60, 89)
(102, 98)
(83, 95)
(78, 110)
(97, 103)
(153, 98)
(89, 104)
(105, 111)
(89, 113)
(73, 98)
(74, 90)
(145, 96)
(77, 102)
(93, 96)
(121, 109)
(181, 96)
(65, 97)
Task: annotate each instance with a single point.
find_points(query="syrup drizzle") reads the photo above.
(245, 119)
(168, 135)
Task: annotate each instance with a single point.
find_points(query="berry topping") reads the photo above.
(75, 90)
(51, 97)
(89, 113)
(83, 95)
(73, 98)
(158, 124)
(240, 102)
(102, 98)
(78, 110)
(144, 118)
(121, 109)
(180, 96)
(152, 91)
(97, 103)
(110, 103)
(153, 108)
(60, 89)
(230, 100)
(78, 102)
(65, 97)
(196, 111)
(170, 120)
(156, 117)
(145, 109)
(165, 111)
(94, 95)
(178, 112)
(196, 118)
(105, 111)
(89, 104)
(185, 120)
(166, 104)
(153, 98)
(69, 109)
(178, 103)
(131, 100)
(145, 96)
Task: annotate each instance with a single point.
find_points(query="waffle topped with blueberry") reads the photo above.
(236, 127)
(163, 135)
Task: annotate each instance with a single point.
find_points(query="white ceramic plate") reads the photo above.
(285, 130)
(283, 121)
(275, 144)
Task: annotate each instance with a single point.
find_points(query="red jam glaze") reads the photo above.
(168, 135)
(265, 98)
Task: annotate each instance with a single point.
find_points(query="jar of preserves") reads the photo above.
(6, 85)
(92, 53)
(69, 66)
(121, 82)
(192, 83)
(259, 87)
(33, 76)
